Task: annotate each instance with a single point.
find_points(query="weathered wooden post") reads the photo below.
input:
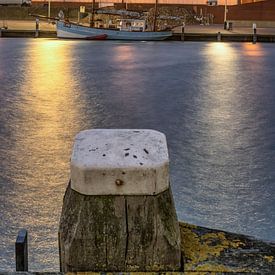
(21, 250)
(36, 27)
(219, 37)
(254, 37)
(118, 211)
(182, 31)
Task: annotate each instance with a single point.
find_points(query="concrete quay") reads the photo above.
(29, 25)
(217, 33)
(26, 28)
(208, 252)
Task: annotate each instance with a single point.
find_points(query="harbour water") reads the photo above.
(214, 101)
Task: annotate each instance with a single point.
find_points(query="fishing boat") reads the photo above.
(126, 29)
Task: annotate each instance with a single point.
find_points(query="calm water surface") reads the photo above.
(214, 101)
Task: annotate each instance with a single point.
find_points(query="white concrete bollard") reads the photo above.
(118, 212)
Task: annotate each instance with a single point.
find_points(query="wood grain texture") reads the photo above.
(119, 233)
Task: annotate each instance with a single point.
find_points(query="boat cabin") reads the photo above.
(134, 25)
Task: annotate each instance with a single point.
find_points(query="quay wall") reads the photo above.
(208, 251)
(195, 37)
(23, 13)
(249, 23)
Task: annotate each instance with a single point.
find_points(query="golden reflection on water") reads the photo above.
(48, 107)
(51, 72)
(219, 49)
(50, 112)
(220, 85)
(254, 50)
(49, 119)
(220, 114)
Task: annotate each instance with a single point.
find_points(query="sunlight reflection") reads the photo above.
(48, 108)
(49, 115)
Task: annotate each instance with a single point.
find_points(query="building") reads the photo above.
(249, 1)
(178, 2)
(247, 11)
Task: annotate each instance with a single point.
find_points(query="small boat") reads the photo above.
(127, 29)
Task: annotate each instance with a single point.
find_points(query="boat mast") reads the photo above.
(124, 4)
(155, 16)
(93, 14)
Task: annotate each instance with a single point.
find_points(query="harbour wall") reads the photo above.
(207, 252)
(188, 37)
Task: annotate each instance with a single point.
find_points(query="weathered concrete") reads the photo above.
(209, 251)
(118, 211)
(217, 251)
(119, 162)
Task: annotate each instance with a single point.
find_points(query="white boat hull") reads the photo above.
(73, 31)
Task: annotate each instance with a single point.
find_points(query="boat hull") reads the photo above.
(73, 31)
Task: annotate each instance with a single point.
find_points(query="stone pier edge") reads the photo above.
(208, 252)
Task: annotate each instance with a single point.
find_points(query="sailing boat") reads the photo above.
(127, 29)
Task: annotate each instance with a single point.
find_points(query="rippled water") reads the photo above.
(214, 101)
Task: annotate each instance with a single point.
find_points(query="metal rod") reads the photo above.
(21, 250)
